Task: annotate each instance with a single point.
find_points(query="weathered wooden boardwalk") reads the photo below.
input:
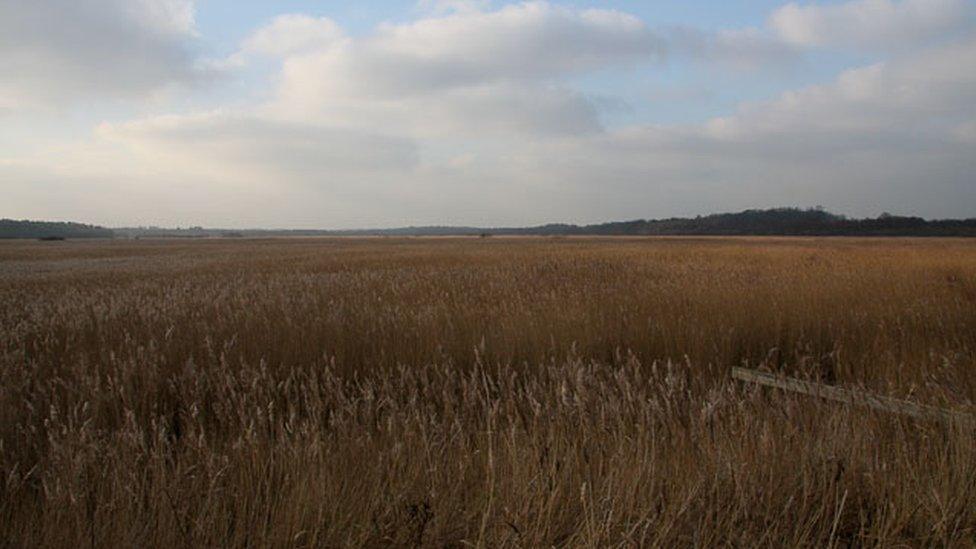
(850, 396)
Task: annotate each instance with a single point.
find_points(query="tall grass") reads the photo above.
(495, 392)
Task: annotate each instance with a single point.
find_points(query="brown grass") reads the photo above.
(493, 392)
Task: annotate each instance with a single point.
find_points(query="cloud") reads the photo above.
(294, 34)
(227, 168)
(251, 147)
(475, 116)
(872, 24)
(473, 71)
(966, 132)
(440, 7)
(57, 51)
(895, 135)
(740, 49)
(916, 98)
(534, 40)
(464, 69)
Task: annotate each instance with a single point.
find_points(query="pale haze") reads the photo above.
(320, 114)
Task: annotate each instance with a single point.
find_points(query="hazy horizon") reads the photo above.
(305, 114)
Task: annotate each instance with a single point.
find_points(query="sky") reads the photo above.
(327, 114)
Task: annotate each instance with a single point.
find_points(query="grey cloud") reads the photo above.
(246, 142)
(872, 24)
(515, 112)
(54, 52)
(749, 49)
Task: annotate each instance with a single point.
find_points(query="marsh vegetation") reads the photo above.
(496, 392)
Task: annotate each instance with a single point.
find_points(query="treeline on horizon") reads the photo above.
(773, 222)
(51, 230)
(768, 222)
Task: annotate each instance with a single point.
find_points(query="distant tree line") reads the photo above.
(776, 221)
(769, 222)
(51, 230)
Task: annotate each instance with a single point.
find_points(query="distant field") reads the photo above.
(497, 391)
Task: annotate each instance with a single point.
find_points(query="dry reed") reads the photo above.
(491, 392)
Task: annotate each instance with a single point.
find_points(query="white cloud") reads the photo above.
(892, 136)
(247, 147)
(886, 24)
(294, 34)
(523, 41)
(228, 168)
(57, 51)
(440, 7)
(915, 98)
(469, 71)
(472, 117)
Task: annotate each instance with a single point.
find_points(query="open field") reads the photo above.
(497, 392)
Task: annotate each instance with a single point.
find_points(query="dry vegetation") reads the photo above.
(496, 392)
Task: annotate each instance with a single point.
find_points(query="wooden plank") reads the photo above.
(848, 396)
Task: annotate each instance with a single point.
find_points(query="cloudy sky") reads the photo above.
(325, 114)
